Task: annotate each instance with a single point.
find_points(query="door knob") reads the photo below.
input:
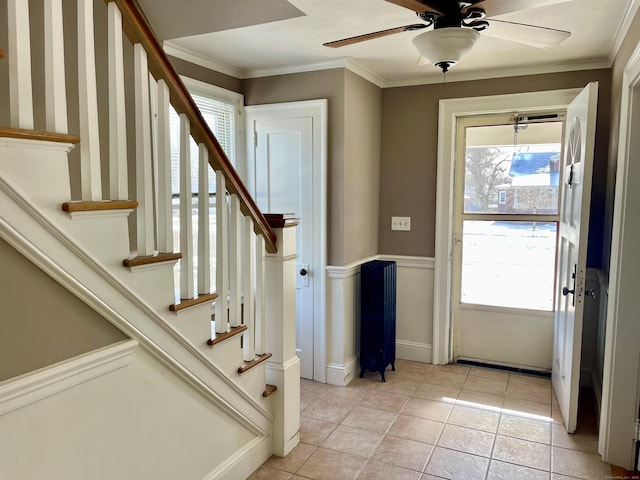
(303, 272)
(566, 291)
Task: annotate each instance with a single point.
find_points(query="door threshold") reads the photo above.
(526, 371)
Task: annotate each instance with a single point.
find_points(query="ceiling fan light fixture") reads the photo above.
(444, 47)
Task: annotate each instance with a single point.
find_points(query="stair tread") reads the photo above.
(221, 337)
(269, 390)
(150, 259)
(27, 134)
(99, 206)
(192, 302)
(253, 363)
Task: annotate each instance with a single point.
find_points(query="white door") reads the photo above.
(286, 173)
(572, 251)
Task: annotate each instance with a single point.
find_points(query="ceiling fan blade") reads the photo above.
(414, 5)
(493, 8)
(372, 35)
(532, 35)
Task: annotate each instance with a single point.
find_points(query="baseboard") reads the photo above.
(341, 375)
(418, 352)
(245, 461)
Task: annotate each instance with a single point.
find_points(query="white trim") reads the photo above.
(125, 310)
(457, 76)
(341, 375)
(623, 28)
(34, 386)
(244, 461)
(35, 144)
(620, 386)
(87, 215)
(187, 55)
(410, 262)
(416, 351)
(153, 266)
(318, 109)
(209, 90)
(449, 112)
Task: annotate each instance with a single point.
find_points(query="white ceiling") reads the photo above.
(287, 36)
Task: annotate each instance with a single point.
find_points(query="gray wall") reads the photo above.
(42, 323)
(409, 153)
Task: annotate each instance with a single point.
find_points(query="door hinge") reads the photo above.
(636, 430)
(255, 139)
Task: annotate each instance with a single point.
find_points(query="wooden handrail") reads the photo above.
(138, 30)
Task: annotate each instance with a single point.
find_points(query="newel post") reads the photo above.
(283, 369)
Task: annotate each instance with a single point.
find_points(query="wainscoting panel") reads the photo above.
(414, 322)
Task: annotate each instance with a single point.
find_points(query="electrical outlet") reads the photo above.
(401, 223)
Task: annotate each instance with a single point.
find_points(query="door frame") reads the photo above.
(620, 383)
(317, 109)
(449, 111)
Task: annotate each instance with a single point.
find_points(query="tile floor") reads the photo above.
(438, 422)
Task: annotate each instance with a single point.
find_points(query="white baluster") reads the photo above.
(260, 322)
(235, 262)
(165, 208)
(54, 79)
(204, 250)
(19, 53)
(222, 264)
(248, 287)
(88, 100)
(187, 289)
(119, 188)
(144, 174)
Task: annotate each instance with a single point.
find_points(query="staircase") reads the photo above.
(95, 210)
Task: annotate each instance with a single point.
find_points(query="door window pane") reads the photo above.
(509, 264)
(512, 169)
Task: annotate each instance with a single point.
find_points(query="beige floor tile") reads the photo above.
(557, 476)
(292, 462)
(454, 465)
(522, 452)
(418, 429)
(268, 473)
(389, 402)
(366, 382)
(445, 377)
(403, 452)
(426, 476)
(526, 391)
(488, 373)
(495, 386)
(352, 440)
(508, 471)
(452, 367)
(327, 464)
(432, 391)
(344, 395)
(375, 470)
(328, 412)
(467, 440)
(529, 379)
(556, 414)
(474, 418)
(399, 385)
(429, 409)
(579, 464)
(314, 431)
(526, 408)
(370, 419)
(525, 429)
(482, 400)
(586, 443)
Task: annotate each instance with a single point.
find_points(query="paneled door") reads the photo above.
(572, 251)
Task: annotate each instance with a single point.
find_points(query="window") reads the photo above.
(509, 214)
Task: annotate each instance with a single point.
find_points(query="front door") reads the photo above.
(572, 251)
(286, 175)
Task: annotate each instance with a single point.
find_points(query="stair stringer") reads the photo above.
(32, 233)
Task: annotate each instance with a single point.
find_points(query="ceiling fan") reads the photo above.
(456, 27)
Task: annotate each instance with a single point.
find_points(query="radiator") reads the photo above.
(377, 316)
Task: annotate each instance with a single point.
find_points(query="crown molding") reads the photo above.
(501, 73)
(198, 59)
(629, 14)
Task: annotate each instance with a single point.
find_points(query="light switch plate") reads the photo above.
(401, 223)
